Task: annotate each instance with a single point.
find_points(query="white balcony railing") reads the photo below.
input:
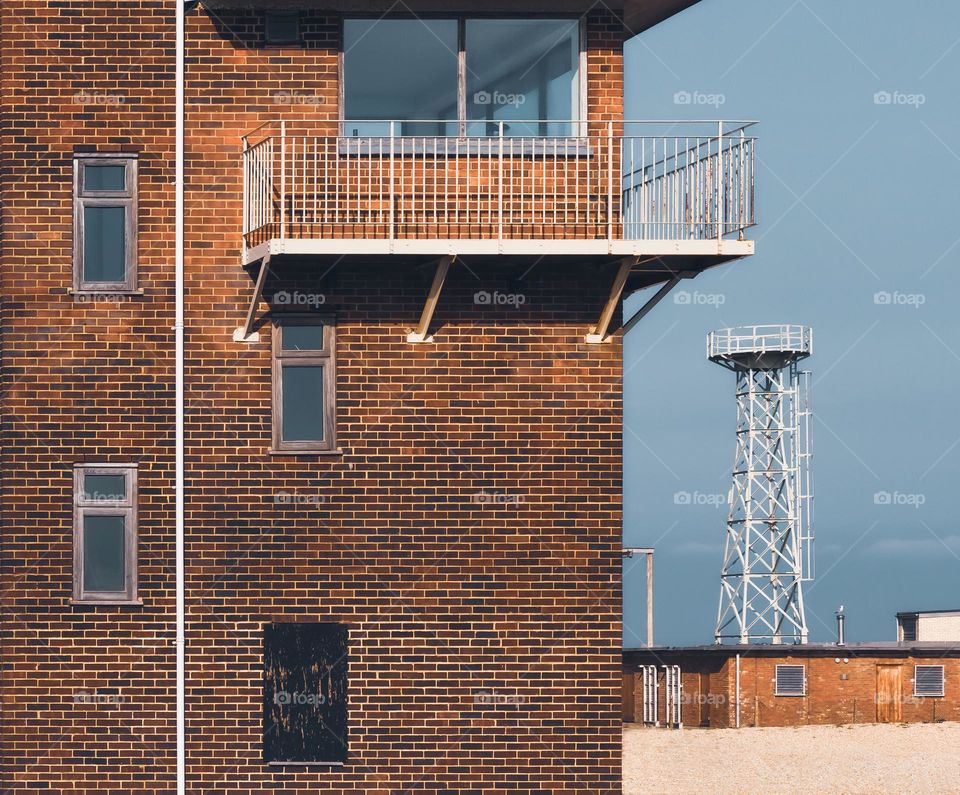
(622, 181)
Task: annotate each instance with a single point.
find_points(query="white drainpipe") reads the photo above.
(179, 390)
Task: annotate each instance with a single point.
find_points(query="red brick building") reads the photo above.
(401, 520)
(725, 686)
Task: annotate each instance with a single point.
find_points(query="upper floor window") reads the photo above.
(462, 76)
(105, 533)
(105, 223)
(304, 417)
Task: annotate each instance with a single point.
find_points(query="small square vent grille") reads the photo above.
(791, 680)
(928, 680)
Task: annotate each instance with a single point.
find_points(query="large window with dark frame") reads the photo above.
(304, 380)
(462, 76)
(105, 533)
(105, 223)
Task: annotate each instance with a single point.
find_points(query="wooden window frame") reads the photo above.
(326, 359)
(943, 681)
(126, 507)
(127, 198)
(776, 681)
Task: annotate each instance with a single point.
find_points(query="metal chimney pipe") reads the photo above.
(840, 619)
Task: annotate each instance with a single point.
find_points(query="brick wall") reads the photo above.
(844, 692)
(88, 693)
(469, 533)
(842, 687)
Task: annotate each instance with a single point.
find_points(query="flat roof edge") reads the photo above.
(909, 648)
(912, 613)
(641, 15)
(637, 15)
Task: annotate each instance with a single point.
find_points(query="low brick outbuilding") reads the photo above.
(797, 685)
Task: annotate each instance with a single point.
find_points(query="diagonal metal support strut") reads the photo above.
(599, 332)
(255, 298)
(655, 299)
(421, 333)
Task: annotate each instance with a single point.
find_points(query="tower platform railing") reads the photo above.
(758, 339)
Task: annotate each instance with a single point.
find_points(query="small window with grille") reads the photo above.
(928, 680)
(791, 680)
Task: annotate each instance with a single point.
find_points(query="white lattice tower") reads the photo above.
(768, 548)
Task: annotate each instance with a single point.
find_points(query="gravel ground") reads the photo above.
(921, 758)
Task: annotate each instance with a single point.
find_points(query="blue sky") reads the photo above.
(856, 196)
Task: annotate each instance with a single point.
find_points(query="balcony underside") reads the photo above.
(657, 261)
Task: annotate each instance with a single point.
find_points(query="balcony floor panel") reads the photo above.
(721, 250)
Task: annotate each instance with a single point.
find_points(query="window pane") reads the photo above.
(522, 69)
(104, 487)
(104, 178)
(103, 554)
(400, 69)
(302, 407)
(104, 242)
(302, 338)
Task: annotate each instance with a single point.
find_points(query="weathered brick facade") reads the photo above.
(468, 531)
(469, 534)
(842, 685)
(88, 692)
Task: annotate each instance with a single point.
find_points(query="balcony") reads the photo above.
(625, 189)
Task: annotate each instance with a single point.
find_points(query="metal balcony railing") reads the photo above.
(668, 181)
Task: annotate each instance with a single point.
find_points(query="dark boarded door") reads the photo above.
(888, 694)
(305, 693)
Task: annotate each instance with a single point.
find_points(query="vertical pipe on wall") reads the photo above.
(736, 695)
(179, 405)
(649, 599)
